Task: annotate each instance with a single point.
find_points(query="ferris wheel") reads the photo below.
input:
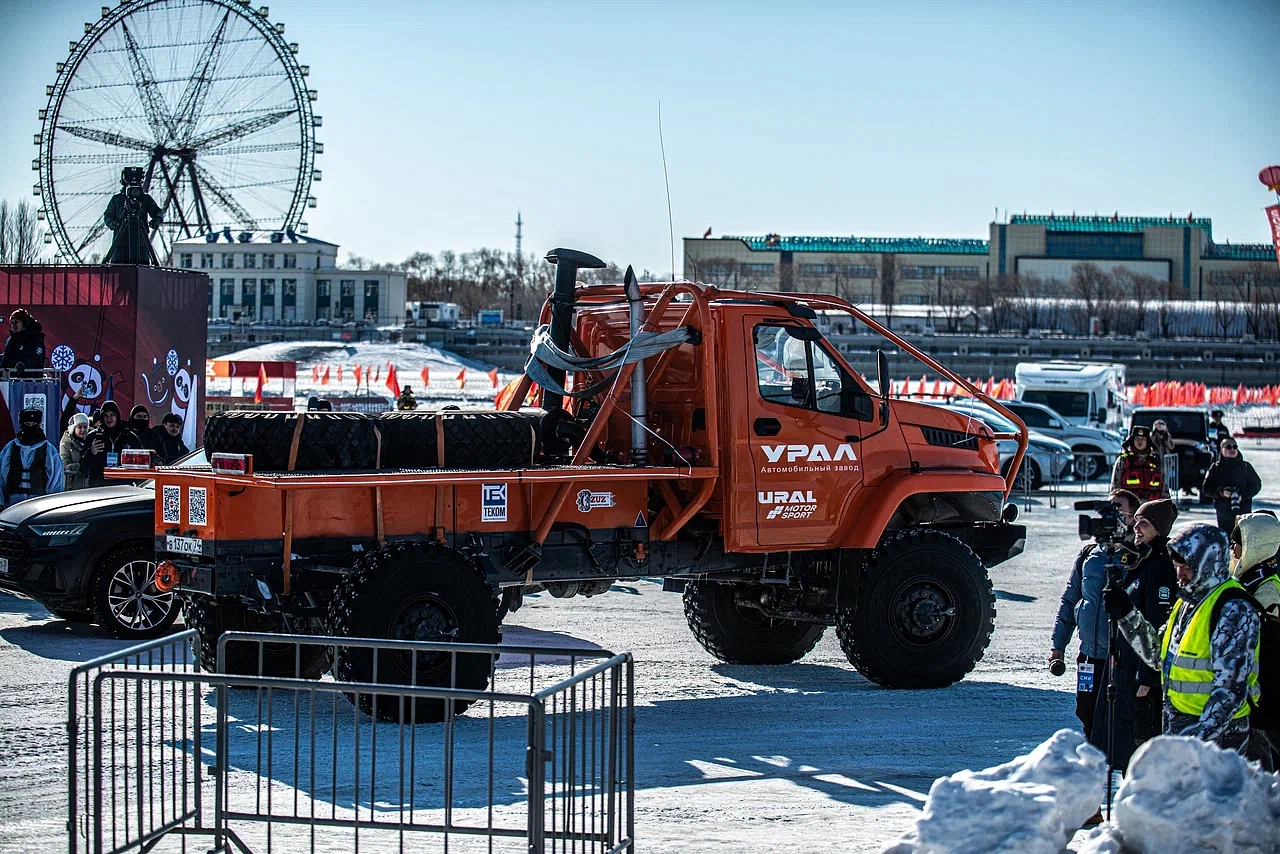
(206, 96)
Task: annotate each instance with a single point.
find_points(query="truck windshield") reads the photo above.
(1182, 425)
(1070, 404)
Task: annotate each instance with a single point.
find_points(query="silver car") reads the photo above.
(1095, 449)
(1047, 459)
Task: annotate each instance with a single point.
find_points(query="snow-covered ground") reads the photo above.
(409, 360)
(806, 757)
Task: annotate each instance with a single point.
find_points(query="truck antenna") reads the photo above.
(671, 228)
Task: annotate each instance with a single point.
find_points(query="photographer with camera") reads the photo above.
(1081, 609)
(1207, 651)
(1232, 483)
(132, 215)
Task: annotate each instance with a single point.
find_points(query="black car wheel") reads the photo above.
(125, 600)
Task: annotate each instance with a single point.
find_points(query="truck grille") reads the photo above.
(950, 438)
(15, 548)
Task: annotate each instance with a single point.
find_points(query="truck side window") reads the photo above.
(793, 372)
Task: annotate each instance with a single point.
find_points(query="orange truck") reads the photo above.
(710, 438)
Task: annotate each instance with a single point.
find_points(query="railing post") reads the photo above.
(536, 759)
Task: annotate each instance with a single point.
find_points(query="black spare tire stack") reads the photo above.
(351, 441)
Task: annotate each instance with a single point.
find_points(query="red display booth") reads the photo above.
(118, 332)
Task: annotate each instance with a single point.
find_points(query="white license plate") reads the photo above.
(4, 566)
(184, 545)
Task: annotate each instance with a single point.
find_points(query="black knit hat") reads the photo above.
(1161, 513)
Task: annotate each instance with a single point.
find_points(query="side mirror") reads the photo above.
(1101, 416)
(1053, 422)
(882, 374)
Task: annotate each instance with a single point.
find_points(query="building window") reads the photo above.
(206, 260)
(248, 297)
(322, 299)
(910, 272)
(960, 273)
(228, 260)
(269, 291)
(250, 261)
(1060, 244)
(915, 299)
(226, 296)
(290, 260)
(853, 271)
(347, 299)
(269, 262)
(756, 269)
(371, 299)
(184, 260)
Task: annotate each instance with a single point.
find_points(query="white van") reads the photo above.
(1085, 393)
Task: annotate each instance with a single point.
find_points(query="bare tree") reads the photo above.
(1166, 293)
(954, 300)
(884, 283)
(989, 294)
(721, 272)
(1098, 295)
(1224, 312)
(20, 238)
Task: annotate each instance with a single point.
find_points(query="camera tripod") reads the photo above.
(1115, 577)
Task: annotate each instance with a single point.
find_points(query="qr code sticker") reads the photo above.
(172, 513)
(196, 514)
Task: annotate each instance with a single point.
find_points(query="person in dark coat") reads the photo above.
(132, 215)
(1137, 469)
(140, 420)
(102, 447)
(30, 464)
(1218, 431)
(1151, 583)
(406, 402)
(25, 348)
(1232, 483)
(165, 440)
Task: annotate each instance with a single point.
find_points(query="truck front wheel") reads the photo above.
(740, 635)
(924, 615)
(211, 618)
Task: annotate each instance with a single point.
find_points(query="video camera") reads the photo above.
(1106, 527)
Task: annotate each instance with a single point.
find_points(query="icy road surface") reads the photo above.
(798, 758)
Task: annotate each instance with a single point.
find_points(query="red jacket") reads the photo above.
(1141, 474)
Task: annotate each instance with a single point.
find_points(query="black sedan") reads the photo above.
(88, 555)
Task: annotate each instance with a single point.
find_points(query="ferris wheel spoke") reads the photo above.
(175, 199)
(252, 149)
(241, 129)
(95, 231)
(225, 199)
(197, 91)
(148, 90)
(116, 139)
(200, 209)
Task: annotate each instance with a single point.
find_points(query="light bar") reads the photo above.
(135, 458)
(232, 463)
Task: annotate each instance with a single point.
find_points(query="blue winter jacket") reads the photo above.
(27, 453)
(1081, 607)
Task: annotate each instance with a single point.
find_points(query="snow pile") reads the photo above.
(409, 360)
(1186, 795)
(1033, 804)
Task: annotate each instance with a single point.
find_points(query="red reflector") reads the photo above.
(135, 458)
(232, 463)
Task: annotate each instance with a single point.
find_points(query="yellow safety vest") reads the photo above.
(1190, 676)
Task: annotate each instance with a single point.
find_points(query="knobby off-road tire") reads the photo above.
(123, 597)
(472, 440)
(924, 615)
(414, 591)
(211, 619)
(739, 635)
(329, 440)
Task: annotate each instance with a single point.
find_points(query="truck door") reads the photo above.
(807, 414)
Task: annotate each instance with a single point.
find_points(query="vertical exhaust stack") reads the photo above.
(568, 262)
(639, 401)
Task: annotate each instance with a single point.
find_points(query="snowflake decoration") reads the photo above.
(171, 362)
(63, 358)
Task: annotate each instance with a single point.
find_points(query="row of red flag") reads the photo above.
(369, 374)
(1156, 394)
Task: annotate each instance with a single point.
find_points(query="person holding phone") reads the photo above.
(102, 446)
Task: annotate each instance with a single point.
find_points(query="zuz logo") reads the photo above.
(588, 500)
(799, 504)
(809, 453)
(493, 502)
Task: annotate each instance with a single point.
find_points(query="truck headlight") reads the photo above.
(59, 535)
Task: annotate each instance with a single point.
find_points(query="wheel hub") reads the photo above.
(924, 612)
(426, 621)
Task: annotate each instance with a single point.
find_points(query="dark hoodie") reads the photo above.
(139, 420)
(1205, 550)
(25, 348)
(1231, 473)
(112, 439)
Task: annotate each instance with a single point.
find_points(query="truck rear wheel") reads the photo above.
(414, 591)
(924, 615)
(741, 635)
(280, 660)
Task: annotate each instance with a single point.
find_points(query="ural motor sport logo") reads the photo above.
(799, 504)
(809, 458)
(588, 500)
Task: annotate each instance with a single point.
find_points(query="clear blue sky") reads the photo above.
(905, 118)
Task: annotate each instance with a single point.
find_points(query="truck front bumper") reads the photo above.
(996, 542)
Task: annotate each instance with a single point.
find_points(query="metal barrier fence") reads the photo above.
(543, 761)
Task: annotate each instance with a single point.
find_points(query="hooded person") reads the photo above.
(165, 440)
(1161, 439)
(24, 350)
(1254, 544)
(1138, 469)
(1232, 483)
(139, 420)
(1207, 651)
(70, 449)
(102, 446)
(29, 464)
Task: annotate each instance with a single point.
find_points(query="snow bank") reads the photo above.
(1031, 805)
(1185, 795)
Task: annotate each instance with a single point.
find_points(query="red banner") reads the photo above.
(1273, 217)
